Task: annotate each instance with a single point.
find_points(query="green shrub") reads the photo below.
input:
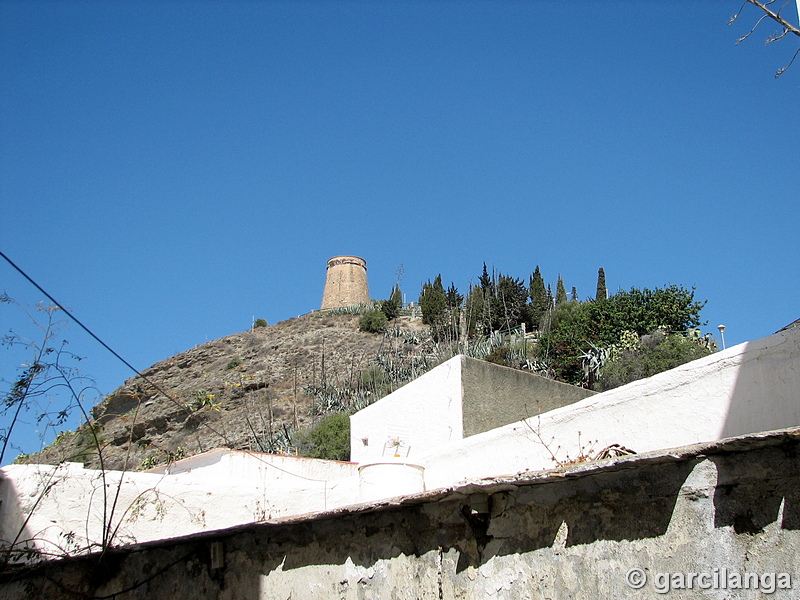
(148, 463)
(202, 398)
(165, 458)
(647, 356)
(62, 436)
(372, 321)
(391, 307)
(234, 362)
(21, 458)
(500, 356)
(330, 439)
(259, 323)
(88, 441)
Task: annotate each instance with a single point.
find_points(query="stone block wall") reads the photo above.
(693, 520)
(345, 282)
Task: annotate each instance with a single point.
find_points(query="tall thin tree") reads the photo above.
(561, 292)
(602, 293)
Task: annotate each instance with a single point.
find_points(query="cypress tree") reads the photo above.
(602, 293)
(454, 303)
(454, 299)
(538, 295)
(508, 304)
(391, 307)
(485, 280)
(433, 302)
(475, 309)
(561, 293)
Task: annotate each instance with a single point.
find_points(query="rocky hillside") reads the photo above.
(251, 390)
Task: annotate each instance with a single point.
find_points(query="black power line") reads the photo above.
(71, 316)
(154, 385)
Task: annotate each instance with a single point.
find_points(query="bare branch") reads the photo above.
(775, 16)
(775, 37)
(780, 71)
(749, 33)
(736, 16)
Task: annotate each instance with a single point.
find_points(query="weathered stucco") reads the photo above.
(67, 508)
(731, 507)
(494, 396)
(748, 388)
(460, 398)
(420, 417)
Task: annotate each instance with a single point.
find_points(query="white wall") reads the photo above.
(425, 414)
(748, 388)
(751, 387)
(238, 466)
(66, 501)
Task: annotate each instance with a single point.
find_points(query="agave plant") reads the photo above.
(593, 360)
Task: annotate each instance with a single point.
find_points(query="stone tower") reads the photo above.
(346, 282)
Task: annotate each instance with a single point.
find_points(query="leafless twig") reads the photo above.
(775, 16)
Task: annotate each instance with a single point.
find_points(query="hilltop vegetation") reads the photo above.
(269, 389)
(588, 343)
(253, 390)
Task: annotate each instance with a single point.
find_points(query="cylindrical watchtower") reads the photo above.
(346, 282)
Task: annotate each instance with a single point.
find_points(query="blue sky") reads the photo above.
(170, 170)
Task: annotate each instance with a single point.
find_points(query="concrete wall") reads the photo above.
(424, 415)
(748, 388)
(728, 509)
(457, 399)
(494, 396)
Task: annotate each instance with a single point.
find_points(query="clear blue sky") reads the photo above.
(169, 170)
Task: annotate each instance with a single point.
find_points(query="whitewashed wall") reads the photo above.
(66, 509)
(748, 388)
(238, 466)
(424, 414)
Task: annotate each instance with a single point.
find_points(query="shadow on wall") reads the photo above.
(15, 535)
(438, 541)
(609, 506)
(778, 500)
(766, 393)
(765, 396)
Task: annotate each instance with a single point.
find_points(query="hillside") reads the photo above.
(250, 390)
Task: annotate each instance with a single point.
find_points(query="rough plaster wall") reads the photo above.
(495, 396)
(748, 388)
(572, 537)
(425, 413)
(237, 466)
(49, 504)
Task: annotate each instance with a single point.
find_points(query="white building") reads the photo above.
(463, 421)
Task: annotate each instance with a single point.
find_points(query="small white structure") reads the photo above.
(453, 424)
(421, 416)
(389, 479)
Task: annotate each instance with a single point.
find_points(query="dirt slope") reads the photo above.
(248, 390)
